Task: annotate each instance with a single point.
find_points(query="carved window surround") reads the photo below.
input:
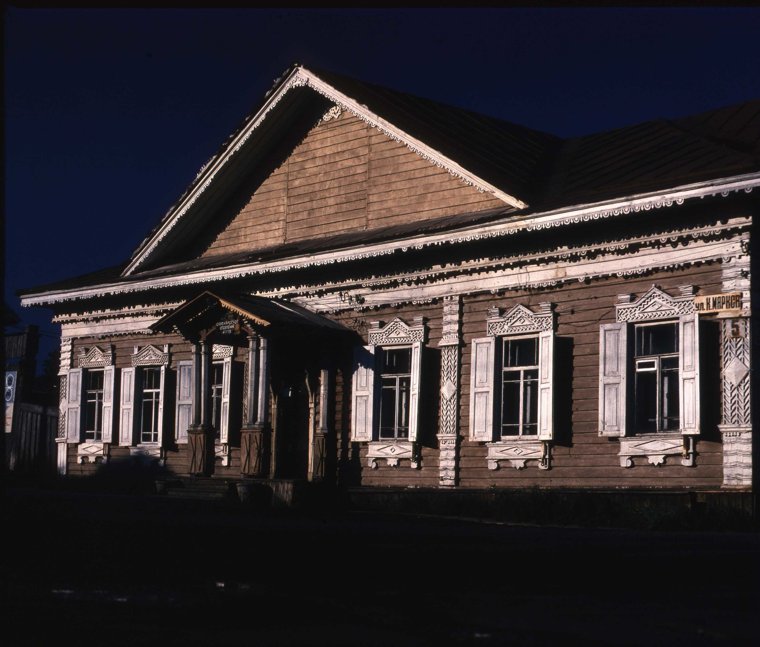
(615, 370)
(95, 358)
(517, 321)
(366, 392)
(92, 453)
(150, 356)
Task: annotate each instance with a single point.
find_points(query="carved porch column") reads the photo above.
(254, 436)
(200, 444)
(448, 436)
(317, 457)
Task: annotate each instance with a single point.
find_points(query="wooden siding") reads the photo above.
(345, 176)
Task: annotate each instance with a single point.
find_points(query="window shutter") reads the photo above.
(482, 368)
(126, 417)
(688, 334)
(109, 383)
(613, 358)
(224, 432)
(545, 385)
(161, 397)
(414, 391)
(74, 406)
(184, 415)
(363, 394)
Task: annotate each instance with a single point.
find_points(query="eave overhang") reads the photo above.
(513, 224)
(301, 77)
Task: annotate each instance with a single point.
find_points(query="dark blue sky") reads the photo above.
(109, 114)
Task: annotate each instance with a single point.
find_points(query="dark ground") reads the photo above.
(109, 569)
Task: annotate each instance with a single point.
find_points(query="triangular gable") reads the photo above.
(298, 77)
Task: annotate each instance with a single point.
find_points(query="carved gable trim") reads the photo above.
(150, 356)
(95, 358)
(656, 304)
(520, 320)
(396, 333)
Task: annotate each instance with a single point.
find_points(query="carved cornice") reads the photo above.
(95, 358)
(655, 304)
(396, 333)
(151, 356)
(520, 320)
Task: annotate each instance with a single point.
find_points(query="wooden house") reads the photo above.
(371, 289)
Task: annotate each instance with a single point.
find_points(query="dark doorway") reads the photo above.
(292, 431)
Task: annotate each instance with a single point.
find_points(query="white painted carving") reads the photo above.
(520, 320)
(91, 453)
(392, 451)
(95, 358)
(654, 447)
(150, 356)
(333, 113)
(655, 304)
(396, 333)
(153, 452)
(222, 453)
(219, 351)
(517, 452)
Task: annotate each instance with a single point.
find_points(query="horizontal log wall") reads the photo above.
(344, 177)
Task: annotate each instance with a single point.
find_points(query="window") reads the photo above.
(519, 387)
(649, 368)
(93, 425)
(385, 397)
(511, 386)
(656, 378)
(396, 367)
(151, 400)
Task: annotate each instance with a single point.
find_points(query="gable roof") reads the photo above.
(489, 154)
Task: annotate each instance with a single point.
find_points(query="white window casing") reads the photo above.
(74, 406)
(224, 423)
(485, 369)
(482, 374)
(414, 391)
(688, 329)
(363, 394)
(184, 403)
(127, 406)
(613, 379)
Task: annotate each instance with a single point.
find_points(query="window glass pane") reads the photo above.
(656, 340)
(396, 360)
(510, 404)
(670, 393)
(521, 352)
(402, 424)
(95, 380)
(646, 401)
(530, 402)
(388, 398)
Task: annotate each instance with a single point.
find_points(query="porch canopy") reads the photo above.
(233, 315)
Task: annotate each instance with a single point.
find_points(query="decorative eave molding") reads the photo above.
(301, 77)
(95, 358)
(558, 218)
(396, 333)
(520, 320)
(151, 356)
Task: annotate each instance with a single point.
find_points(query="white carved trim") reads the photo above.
(91, 453)
(655, 448)
(570, 216)
(520, 320)
(396, 333)
(151, 356)
(149, 450)
(655, 304)
(517, 451)
(333, 113)
(392, 451)
(95, 358)
(219, 351)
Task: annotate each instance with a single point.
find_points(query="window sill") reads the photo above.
(92, 452)
(392, 451)
(148, 450)
(655, 447)
(517, 451)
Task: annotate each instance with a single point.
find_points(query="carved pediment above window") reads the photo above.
(219, 351)
(397, 332)
(656, 304)
(520, 320)
(150, 356)
(95, 358)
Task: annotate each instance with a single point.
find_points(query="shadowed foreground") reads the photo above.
(108, 569)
